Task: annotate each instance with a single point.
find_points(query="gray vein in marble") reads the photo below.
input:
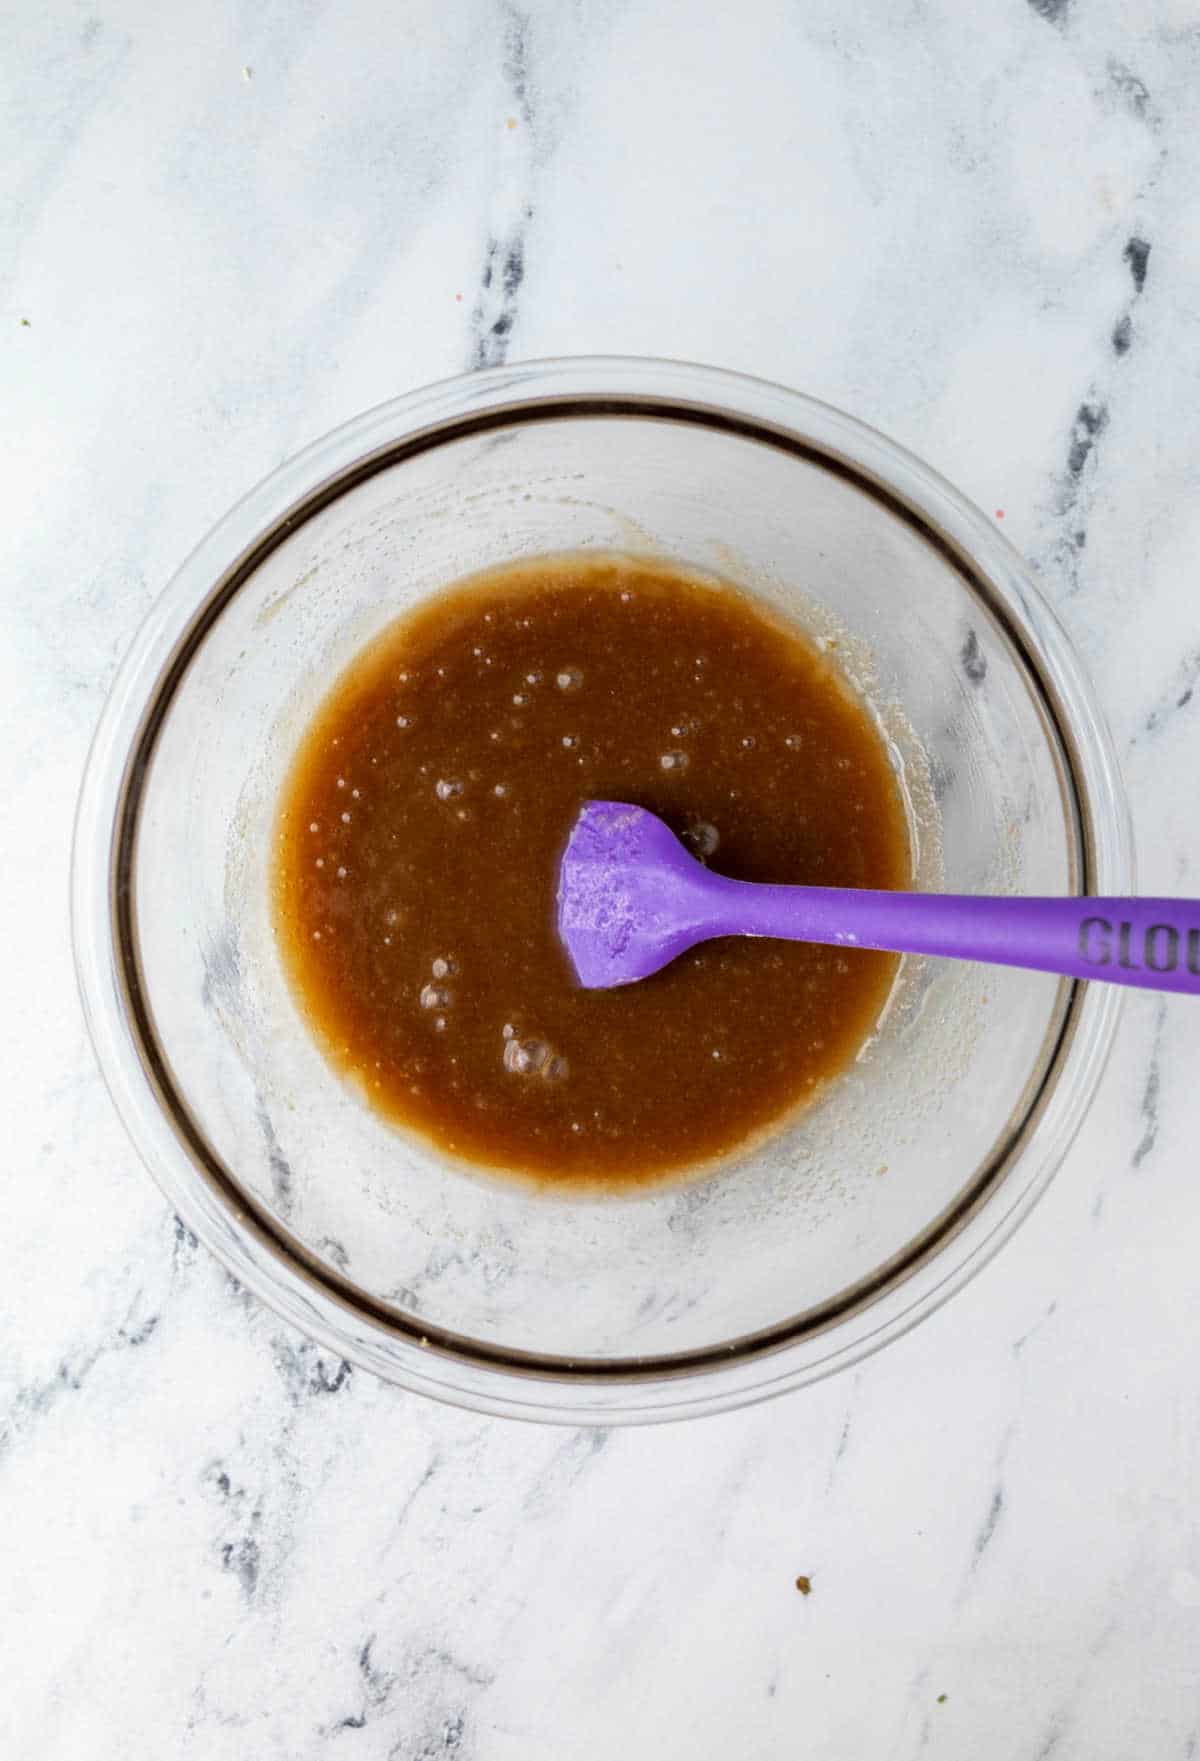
(569, 1462)
(259, 1528)
(983, 1539)
(839, 1454)
(335, 1252)
(36, 1400)
(432, 1672)
(220, 990)
(1131, 91)
(1091, 419)
(242, 1558)
(1149, 1105)
(667, 1306)
(203, 1713)
(917, 1698)
(307, 1372)
(377, 1682)
(184, 1246)
(1047, 1314)
(1053, 11)
(1054, 1737)
(1065, 1713)
(282, 1178)
(238, 1294)
(427, 1474)
(1175, 697)
(974, 661)
(495, 311)
(221, 965)
(1076, 484)
(842, 1447)
(240, 1551)
(993, 1517)
(1137, 255)
(495, 1263)
(516, 59)
(494, 314)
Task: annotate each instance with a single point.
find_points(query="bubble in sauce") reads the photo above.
(525, 1057)
(702, 839)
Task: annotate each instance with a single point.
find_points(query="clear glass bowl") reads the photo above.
(815, 1247)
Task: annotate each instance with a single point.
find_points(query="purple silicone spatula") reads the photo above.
(631, 899)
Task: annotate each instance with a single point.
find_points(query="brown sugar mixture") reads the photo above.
(421, 828)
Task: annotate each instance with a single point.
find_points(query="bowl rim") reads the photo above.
(264, 1256)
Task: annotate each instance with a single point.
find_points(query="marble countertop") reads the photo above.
(225, 229)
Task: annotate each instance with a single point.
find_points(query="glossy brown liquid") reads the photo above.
(420, 833)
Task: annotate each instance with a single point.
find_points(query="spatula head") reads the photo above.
(628, 895)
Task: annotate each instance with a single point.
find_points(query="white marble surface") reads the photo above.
(228, 227)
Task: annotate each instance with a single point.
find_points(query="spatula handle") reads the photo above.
(1151, 943)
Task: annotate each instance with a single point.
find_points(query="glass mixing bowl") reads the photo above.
(814, 1247)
